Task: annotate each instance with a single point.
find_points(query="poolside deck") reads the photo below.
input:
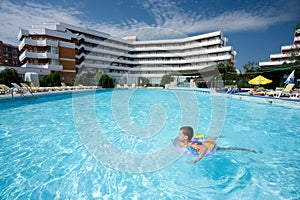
(209, 91)
(8, 96)
(243, 95)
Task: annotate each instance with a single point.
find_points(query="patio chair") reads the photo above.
(232, 89)
(66, 87)
(295, 94)
(25, 85)
(37, 88)
(2, 91)
(21, 90)
(287, 91)
(7, 89)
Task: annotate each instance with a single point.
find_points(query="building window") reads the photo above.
(54, 62)
(54, 50)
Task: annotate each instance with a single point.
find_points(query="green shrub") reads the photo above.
(51, 80)
(166, 79)
(105, 81)
(143, 81)
(8, 76)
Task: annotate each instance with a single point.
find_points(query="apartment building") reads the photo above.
(9, 55)
(285, 56)
(72, 50)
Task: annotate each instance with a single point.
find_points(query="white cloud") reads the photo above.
(14, 16)
(170, 20)
(169, 15)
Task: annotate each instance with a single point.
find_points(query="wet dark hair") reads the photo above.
(188, 131)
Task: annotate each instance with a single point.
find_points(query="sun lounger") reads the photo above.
(66, 87)
(25, 85)
(21, 90)
(38, 88)
(280, 92)
(7, 89)
(232, 89)
(2, 91)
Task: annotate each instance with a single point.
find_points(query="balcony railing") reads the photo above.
(44, 66)
(38, 55)
(38, 43)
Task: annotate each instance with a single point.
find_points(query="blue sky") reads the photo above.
(255, 28)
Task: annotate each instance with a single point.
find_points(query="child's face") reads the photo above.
(182, 137)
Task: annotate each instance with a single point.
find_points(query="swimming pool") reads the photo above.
(115, 144)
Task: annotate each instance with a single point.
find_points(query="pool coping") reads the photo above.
(245, 96)
(42, 94)
(209, 91)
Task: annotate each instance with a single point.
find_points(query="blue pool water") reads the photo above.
(115, 144)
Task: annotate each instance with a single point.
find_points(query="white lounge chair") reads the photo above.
(287, 91)
(7, 89)
(21, 90)
(37, 88)
(25, 85)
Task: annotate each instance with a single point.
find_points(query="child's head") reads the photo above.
(186, 133)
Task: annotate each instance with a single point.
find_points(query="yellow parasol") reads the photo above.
(259, 80)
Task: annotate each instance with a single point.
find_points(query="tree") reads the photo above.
(8, 76)
(251, 70)
(229, 66)
(166, 79)
(106, 81)
(228, 70)
(143, 81)
(82, 80)
(97, 77)
(52, 80)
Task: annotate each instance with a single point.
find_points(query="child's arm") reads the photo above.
(202, 153)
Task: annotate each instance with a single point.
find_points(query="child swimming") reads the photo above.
(186, 134)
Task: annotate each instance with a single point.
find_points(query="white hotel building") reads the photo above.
(73, 51)
(276, 60)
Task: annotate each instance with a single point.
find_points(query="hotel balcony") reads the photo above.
(161, 61)
(289, 47)
(38, 43)
(92, 65)
(158, 70)
(45, 66)
(107, 59)
(107, 44)
(66, 44)
(83, 46)
(78, 56)
(184, 61)
(178, 47)
(100, 49)
(38, 55)
(296, 39)
(156, 55)
(22, 33)
(279, 56)
(182, 54)
(274, 63)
